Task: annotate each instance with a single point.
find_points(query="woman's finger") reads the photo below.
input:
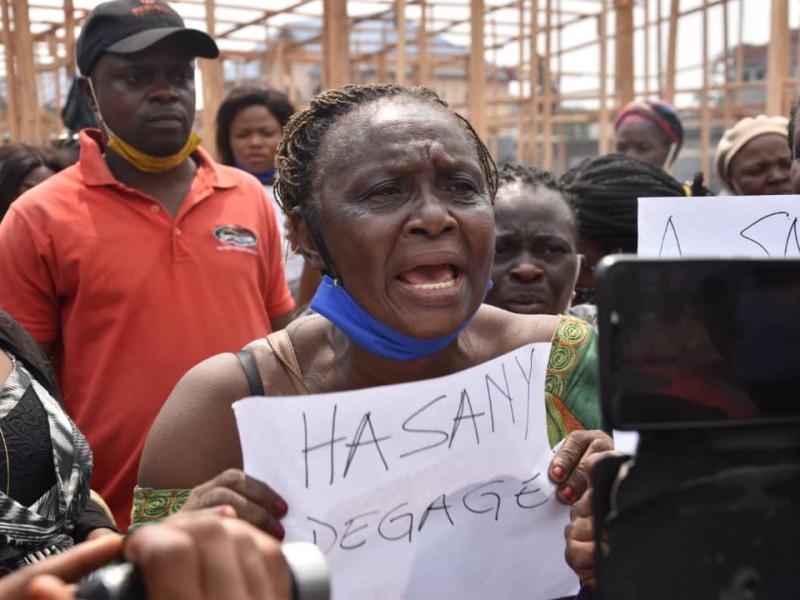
(571, 467)
(246, 510)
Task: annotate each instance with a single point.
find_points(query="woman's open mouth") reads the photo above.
(432, 277)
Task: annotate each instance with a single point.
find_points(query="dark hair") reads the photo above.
(534, 177)
(240, 98)
(302, 136)
(605, 192)
(18, 161)
(793, 126)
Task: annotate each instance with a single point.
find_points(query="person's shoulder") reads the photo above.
(511, 330)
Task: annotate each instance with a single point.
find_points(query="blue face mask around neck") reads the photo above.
(333, 302)
(265, 177)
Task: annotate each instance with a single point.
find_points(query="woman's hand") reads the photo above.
(570, 467)
(579, 533)
(201, 555)
(253, 500)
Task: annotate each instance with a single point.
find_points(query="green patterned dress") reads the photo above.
(571, 401)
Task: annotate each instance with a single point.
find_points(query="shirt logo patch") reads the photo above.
(235, 235)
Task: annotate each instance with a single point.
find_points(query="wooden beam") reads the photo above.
(25, 73)
(423, 64)
(336, 43)
(383, 71)
(672, 48)
(705, 118)
(11, 82)
(726, 61)
(603, 120)
(659, 51)
(534, 136)
(521, 158)
(213, 86)
(623, 71)
(400, 53)
(646, 49)
(779, 56)
(69, 36)
(547, 95)
(477, 70)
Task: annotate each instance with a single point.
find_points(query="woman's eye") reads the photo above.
(462, 186)
(387, 190)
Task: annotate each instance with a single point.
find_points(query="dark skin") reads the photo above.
(398, 185)
(762, 167)
(535, 259)
(148, 100)
(643, 141)
(795, 175)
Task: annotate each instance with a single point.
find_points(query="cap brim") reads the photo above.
(198, 42)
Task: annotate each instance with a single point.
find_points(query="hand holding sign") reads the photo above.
(426, 489)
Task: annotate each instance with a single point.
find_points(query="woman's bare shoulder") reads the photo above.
(194, 436)
(511, 330)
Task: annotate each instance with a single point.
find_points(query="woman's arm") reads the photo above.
(194, 445)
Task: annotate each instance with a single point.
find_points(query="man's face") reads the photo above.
(148, 98)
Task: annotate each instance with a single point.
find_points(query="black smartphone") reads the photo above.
(698, 342)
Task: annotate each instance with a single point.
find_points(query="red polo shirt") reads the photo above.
(130, 298)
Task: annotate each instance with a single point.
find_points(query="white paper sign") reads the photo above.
(729, 227)
(430, 489)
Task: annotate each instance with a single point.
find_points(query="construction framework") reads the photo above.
(628, 49)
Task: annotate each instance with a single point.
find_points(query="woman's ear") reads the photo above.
(302, 238)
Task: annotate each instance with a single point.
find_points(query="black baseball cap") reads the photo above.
(130, 26)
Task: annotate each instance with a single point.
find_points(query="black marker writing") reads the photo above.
(327, 526)
(404, 533)
(506, 393)
(366, 421)
(444, 434)
(524, 492)
(526, 375)
(432, 506)
(331, 443)
(669, 229)
(460, 417)
(467, 499)
(349, 532)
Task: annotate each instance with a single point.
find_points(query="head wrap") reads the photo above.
(735, 138)
(662, 115)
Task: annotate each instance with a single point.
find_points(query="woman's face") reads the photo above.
(406, 216)
(762, 167)
(254, 138)
(535, 257)
(642, 141)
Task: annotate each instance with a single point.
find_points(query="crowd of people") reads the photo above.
(368, 239)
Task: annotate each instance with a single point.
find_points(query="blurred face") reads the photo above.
(147, 98)
(796, 162)
(406, 215)
(254, 138)
(642, 141)
(535, 258)
(762, 167)
(34, 178)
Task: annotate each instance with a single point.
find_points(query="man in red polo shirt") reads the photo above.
(145, 257)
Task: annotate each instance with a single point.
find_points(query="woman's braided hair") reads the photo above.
(605, 191)
(511, 173)
(302, 136)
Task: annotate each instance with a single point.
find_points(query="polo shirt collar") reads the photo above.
(95, 172)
